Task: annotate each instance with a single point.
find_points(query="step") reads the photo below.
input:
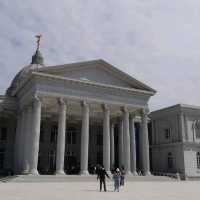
(76, 178)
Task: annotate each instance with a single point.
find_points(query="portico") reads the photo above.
(84, 114)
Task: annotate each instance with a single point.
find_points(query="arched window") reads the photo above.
(170, 160)
(198, 160)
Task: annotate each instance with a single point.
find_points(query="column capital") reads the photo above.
(84, 104)
(124, 109)
(145, 111)
(61, 101)
(112, 124)
(132, 115)
(37, 99)
(105, 107)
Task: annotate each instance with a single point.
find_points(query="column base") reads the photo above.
(84, 173)
(128, 173)
(148, 173)
(33, 172)
(59, 172)
(25, 172)
(109, 173)
(135, 173)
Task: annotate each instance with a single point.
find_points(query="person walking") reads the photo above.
(101, 175)
(122, 176)
(116, 178)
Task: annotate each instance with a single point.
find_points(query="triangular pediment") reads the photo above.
(97, 71)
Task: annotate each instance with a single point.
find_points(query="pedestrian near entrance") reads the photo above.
(102, 174)
(122, 176)
(116, 178)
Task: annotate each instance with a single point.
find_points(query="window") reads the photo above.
(54, 132)
(99, 139)
(100, 158)
(196, 128)
(3, 134)
(167, 133)
(52, 160)
(198, 160)
(170, 160)
(42, 134)
(71, 135)
(2, 158)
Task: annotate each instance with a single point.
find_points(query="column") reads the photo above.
(17, 140)
(84, 139)
(106, 138)
(145, 143)
(182, 130)
(21, 143)
(112, 146)
(60, 151)
(35, 135)
(121, 144)
(126, 132)
(27, 135)
(133, 145)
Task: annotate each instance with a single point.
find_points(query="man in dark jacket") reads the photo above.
(101, 175)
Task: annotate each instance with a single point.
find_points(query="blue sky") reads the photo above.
(156, 41)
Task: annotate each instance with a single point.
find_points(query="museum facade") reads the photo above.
(66, 119)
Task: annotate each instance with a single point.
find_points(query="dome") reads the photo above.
(37, 63)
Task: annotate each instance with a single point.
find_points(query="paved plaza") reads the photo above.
(182, 190)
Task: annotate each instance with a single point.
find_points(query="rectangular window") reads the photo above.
(170, 162)
(3, 134)
(2, 158)
(54, 132)
(100, 158)
(167, 133)
(197, 133)
(99, 140)
(42, 134)
(73, 138)
(198, 160)
(69, 137)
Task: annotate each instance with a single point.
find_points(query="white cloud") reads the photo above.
(155, 41)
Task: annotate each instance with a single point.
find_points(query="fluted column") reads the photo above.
(17, 142)
(27, 135)
(60, 151)
(112, 145)
(133, 145)
(121, 144)
(106, 138)
(126, 132)
(35, 135)
(21, 142)
(84, 139)
(145, 143)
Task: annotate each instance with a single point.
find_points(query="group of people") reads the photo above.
(118, 177)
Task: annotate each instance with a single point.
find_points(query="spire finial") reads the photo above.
(38, 40)
(37, 57)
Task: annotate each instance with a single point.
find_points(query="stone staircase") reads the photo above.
(77, 178)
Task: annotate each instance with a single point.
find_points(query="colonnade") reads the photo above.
(28, 138)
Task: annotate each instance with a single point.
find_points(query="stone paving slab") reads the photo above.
(183, 190)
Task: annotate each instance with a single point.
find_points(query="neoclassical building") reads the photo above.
(67, 118)
(175, 140)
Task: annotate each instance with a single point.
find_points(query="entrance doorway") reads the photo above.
(71, 165)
